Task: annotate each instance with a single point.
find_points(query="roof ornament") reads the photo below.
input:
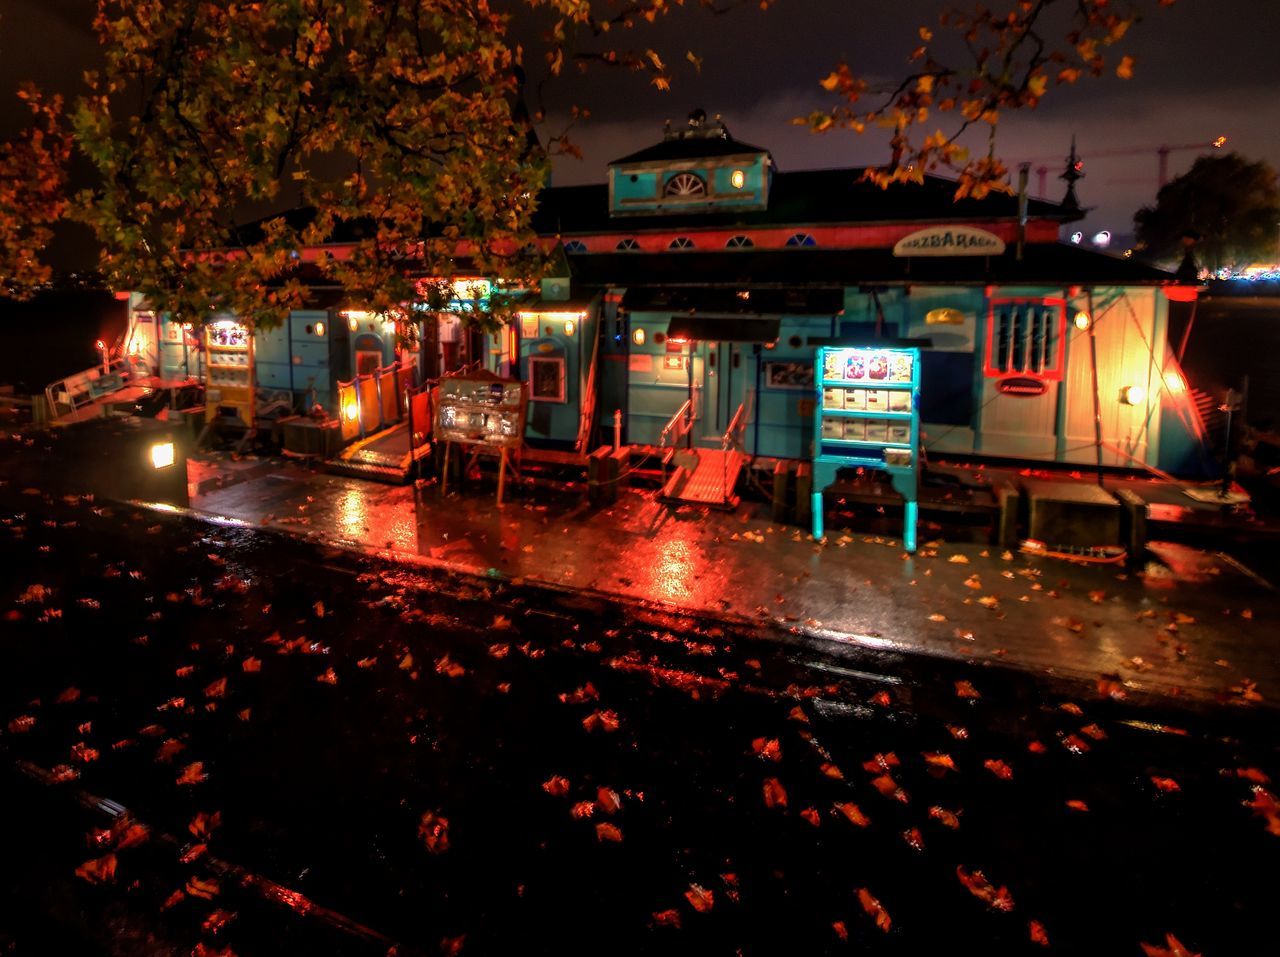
(1072, 174)
(697, 128)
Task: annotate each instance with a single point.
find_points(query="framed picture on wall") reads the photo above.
(789, 374)
(546, 379)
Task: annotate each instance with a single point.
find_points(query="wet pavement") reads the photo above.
(219, 741)
(1191, 623)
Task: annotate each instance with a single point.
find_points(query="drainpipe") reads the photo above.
(1097, 400)
(1023, 171)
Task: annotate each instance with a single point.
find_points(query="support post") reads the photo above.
(1097, 399)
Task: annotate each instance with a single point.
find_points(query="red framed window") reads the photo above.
(1026, 337)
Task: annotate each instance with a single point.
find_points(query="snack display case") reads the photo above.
(868, 417)
(483, 412)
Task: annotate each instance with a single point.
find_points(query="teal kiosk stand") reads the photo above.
(868, 417)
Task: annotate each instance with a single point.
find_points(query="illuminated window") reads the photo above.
(628, 245)
(685, 186)
(680, 242)
(1025, 337)
(738, 242)
(801, 239)
(575, 246)
(738, 179)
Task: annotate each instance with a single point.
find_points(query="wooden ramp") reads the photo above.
(709, 482)
(381, 457)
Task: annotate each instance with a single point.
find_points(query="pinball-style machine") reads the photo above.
(869, 402)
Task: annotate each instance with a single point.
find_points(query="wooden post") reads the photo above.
(502, 473)
(444, 471)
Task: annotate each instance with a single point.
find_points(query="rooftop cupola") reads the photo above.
(699, 167)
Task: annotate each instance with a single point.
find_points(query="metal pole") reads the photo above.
(1097, 399)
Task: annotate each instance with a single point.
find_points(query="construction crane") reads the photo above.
(1162, 156)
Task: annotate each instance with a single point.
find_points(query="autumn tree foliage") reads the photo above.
(1231, 204)
(963, 75)
(32, 193)
(397, 126)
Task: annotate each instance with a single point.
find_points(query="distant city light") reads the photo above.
(1102, 238)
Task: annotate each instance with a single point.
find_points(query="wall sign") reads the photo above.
(1021, 385)
(949, 241)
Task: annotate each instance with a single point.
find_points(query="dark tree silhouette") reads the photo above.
(1230, 203)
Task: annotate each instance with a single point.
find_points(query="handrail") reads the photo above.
(732, 438)
(78, 382)
(680, 424)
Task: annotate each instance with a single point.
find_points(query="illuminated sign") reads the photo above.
(1021, 385)
(949, 241)
(944, 317)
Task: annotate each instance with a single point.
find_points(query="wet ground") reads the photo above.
(406, 759)
(1185, 623)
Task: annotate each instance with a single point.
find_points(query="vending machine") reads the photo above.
(869, 417)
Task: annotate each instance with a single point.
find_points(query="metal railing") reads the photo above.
(69, 393)
(731, 441)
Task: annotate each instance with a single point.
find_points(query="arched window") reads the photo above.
(738, 242)
(801, 239)
(627, 245)
(680, 242)
(685, 186)
(575, 246)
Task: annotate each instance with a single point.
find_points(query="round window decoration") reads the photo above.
(685, 186)
(795, 342)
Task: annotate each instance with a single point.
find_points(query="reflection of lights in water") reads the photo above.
(351, 513)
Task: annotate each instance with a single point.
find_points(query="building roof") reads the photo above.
(1055, 264)
(804, 197)
(687, 148)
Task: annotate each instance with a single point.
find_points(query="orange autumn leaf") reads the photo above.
(251, 664)
(1253, 775)
(556, 786)
(217, 689)
(1036, 747)
(811, 815)
(607, 832)
(1124, 69)
(881, 762)
(583, 809)
(1175, 948)
(328, 677)
(841, 930)
(914, 839)
(831, 771)
(887, 786)
(433, 830)
(998, 768)
(601, 720)
(978, 885)
(775, 795)
(203, 825)
(768, 748)
(99, 870)
(965, 689)
(1077, 805)
(699, 898)
(193, 773)
(853, 814)
(204, 889)
(1167, 785)
(874, 909)
(797, 714)
(882, 699)
(1037, 933)
(667, 918)
(608, 800)
(1095, 732)
(944, 817)
(938, 760)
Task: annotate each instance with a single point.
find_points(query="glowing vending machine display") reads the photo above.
(868, 417)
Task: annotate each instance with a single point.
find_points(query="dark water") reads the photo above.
(445, 698)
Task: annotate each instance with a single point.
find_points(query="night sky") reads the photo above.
(1203, 69)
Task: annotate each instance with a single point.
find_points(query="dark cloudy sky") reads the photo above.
(1204, 68)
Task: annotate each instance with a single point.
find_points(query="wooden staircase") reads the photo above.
(710, 481)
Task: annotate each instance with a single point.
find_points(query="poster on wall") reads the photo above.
(789, 375)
